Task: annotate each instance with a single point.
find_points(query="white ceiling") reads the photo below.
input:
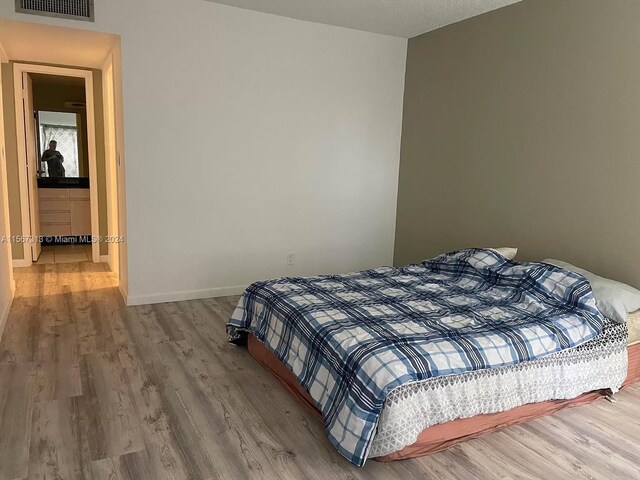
(401, 18)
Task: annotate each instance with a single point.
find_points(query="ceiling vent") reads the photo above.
(74, 9)
(75, 105)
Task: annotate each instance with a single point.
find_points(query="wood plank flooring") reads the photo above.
(92, 389)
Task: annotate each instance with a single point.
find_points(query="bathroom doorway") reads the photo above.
(58, 170)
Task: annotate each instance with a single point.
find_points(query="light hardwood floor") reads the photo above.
(65, 254)
(92, 389)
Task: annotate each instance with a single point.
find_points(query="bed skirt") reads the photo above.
(442, 436)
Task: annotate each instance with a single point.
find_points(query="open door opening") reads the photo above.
(82, 134)
(56, 128)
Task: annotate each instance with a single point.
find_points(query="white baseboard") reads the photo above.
(185, 295)
(21, 263)
(125, 293)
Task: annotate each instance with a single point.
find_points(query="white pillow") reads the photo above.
(507, 252)
(615, 300)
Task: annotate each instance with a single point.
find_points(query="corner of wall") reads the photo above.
(4, 58)
(124, 293)
(7, 283)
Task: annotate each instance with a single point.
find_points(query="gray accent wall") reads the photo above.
(522, 128)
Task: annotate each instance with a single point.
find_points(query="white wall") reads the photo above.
(58, 118)
(6, 274)
(248, 136)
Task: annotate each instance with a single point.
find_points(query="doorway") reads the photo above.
(92, 148)
(60, 113)
(58, 208)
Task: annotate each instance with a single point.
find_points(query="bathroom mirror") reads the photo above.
(62, 145)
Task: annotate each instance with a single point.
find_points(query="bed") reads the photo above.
(400, 362)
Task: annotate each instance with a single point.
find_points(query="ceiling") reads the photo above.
(54, 45)
(43, 79)
(401, 18)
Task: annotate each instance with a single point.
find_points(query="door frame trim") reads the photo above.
(87, 75)
(111, 161)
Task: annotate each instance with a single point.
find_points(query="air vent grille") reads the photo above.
(75, 9)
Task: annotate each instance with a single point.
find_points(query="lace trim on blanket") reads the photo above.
(409, 409)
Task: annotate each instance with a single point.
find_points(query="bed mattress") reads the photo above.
(633, 323)
(598, 365)
(350, 339)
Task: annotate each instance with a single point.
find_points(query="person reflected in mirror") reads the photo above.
(54, 160)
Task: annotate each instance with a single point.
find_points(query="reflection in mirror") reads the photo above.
(58, 142)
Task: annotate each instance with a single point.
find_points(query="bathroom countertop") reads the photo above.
(63, 182)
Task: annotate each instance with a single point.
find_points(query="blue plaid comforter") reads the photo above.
(350, 339)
